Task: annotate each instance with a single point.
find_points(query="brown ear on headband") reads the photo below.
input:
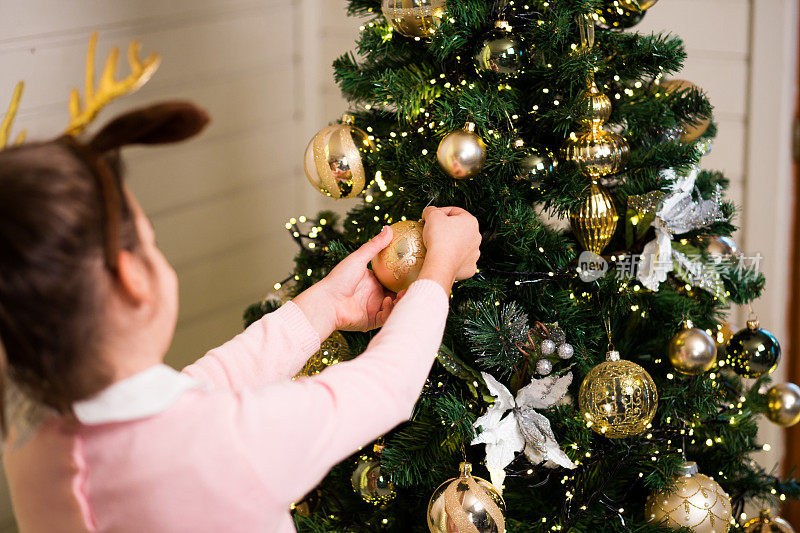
(166, 122)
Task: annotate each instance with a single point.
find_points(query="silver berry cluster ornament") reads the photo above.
(551, 346)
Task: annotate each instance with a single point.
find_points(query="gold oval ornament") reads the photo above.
(414, 18)
(595, 221)
(398, 265)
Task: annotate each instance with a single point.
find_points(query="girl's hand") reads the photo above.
(350, 297)
(453, 239)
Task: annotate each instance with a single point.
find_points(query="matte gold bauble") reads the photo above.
(596, 151)
(783, 405)
(500, 52)
(414, 18)
(618, 398)
(397, 266)
(466, 504)
(595, 221)
(753, 351)
(765, 523)
(462, 153)
(370, 482)
(698, 503)
(334, 350)
(333, 161)
(692, 351)
(641, 5)
(693, 131)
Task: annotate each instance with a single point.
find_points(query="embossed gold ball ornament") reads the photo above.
(753, 351)
(414, 18)
(334, 350)
(618, 398)
(595, 221)
(783, 404)
(333, 160)
(698, 503)
(500, 52)
(466, 504)
(370, 481)
(692, 351)
(462, 153)
(690, 132)
(397, 266)
(765, 523)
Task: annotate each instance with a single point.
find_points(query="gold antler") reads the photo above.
(11, 114)
(109, 88)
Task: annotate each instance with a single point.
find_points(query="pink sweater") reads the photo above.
(231, 442)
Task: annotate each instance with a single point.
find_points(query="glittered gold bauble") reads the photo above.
(618, 398)
(765, 523)
(597, 151)
(692, 351)
(698, 503)
(595, 221)
(334, 350)
(690, 132)
(414, 18)
(371, 483)
(783, 405)
(640, 5)
(333, 160)
(500, 52)
(753, 351)
(397, 266)
(466, 504)
(462, 153)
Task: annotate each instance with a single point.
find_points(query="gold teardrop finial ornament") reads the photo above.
(595, 221)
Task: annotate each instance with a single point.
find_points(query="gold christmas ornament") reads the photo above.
(370, 482)
(783, 405)
(690, 132)
(334, 350)
(595, 221)
(765, 523)
(333, 160)
(698, 502)
(721, 247)
(500, 52)
(692, 351)
(597, 151)
(466, 504)
(752, 352)
(462, 153)
(397, 266)
(414, 18)
(636, 6)
(618, 398)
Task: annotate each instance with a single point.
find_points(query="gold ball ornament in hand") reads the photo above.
(765, 523)
(595, 220)
(466, 504)
(334, 159)
(462, 153)
(698, 503)
(618, 398)
(414, 18)
(398, 265)
(783, 407)
(692, 351)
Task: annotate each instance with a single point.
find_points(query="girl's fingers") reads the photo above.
(370, 249)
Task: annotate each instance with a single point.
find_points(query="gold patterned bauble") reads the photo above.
(333, 160)
(370, 482)
(752, 352)
(595, 221)
(462, 153)
(334, 350)
(618, 398)
(414, 18)
(698, 503)
(397, 266)
(690, 132)
(466, 504)
(636, 6)
(765, 523)
(692, 351)
(500, 52)
(783, 404)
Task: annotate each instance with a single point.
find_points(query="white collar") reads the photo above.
(147, 393)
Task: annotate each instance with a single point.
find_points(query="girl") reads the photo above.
(123, 443)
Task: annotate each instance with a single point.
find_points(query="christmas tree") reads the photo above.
(589, 364)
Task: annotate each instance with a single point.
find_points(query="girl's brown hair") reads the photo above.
(64, 219)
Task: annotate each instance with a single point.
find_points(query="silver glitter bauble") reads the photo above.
(548, 347)
(544, 367)
(565, 351)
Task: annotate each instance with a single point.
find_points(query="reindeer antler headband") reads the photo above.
(160, 123)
